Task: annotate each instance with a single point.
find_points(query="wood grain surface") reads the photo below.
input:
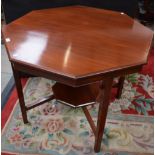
(77, 41)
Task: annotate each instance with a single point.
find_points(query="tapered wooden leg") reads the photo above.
(20, 94)
(104, 98)
(120, 86)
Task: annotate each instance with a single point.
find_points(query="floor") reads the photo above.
(6, 71)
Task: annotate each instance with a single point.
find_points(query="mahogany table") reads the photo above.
(82, 49)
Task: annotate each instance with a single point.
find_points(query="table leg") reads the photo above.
(104, 98)
(18, 83)
(120, 86)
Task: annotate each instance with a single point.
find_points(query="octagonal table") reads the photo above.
(82, 49)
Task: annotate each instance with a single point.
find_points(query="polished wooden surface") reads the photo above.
(76, 46)
(77, 41)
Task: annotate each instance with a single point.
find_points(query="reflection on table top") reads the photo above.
(77, 41)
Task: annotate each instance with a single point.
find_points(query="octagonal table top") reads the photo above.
(77, 41)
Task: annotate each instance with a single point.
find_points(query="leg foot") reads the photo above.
(104, 97)
(20, 94)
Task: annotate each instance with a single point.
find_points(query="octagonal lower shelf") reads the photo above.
(76, 96)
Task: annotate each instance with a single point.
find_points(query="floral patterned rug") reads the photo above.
(57, 129)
